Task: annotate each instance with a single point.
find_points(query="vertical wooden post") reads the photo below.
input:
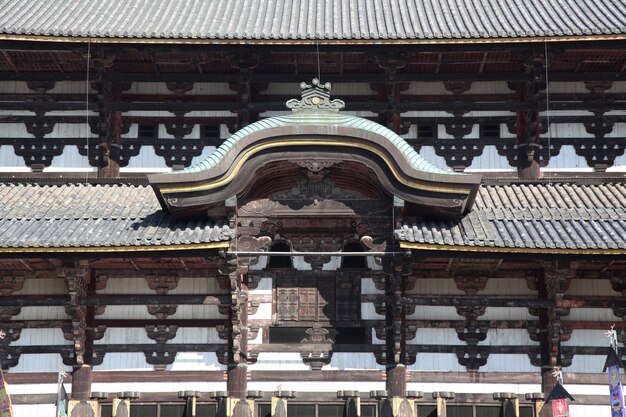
(81, 382)
(396, 380)
(396, 403)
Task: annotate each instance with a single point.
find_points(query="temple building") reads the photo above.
(311, 208)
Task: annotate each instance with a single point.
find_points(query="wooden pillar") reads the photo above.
(237, 404)
(237, 380)
(237, 374)
(528, 123)
(81, 382)
(391, 63)
(396, 380)
(396, 403)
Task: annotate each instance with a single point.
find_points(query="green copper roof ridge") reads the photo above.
(416, 161)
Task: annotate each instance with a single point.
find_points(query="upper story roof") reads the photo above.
(368, 21)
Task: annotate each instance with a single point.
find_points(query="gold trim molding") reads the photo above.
(120, 249)
(494, 249)
(316, 142)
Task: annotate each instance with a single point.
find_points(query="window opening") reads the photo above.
(280, 261)
(353, 261)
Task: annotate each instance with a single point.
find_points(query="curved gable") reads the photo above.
(315, 130)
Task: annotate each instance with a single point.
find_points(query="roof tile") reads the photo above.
(541, 215)
(82, 215)
(311, 19)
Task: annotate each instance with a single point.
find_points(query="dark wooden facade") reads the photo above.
(318, 255)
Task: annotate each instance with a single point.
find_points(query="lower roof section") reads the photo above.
(544, 217)
(540, 217)
(94, 218)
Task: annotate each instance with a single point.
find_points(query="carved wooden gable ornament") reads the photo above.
(315, 136)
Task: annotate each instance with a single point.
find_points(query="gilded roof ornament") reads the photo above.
(315, 96)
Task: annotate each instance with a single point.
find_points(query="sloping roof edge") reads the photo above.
(298, 42)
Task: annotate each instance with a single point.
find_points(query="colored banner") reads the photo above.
(560, 408)
(616, 392)
(62, 400)
(6, 408)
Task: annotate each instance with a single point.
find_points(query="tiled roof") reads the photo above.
(93, 216)
(312, 19)
(533, 216)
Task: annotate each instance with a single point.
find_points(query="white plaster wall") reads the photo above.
(196, 361)
(32, 410)
(428, 153)
(592, 314)
(490, 87)
(426, 88)
(368, 287)
(14, 87)
(507, 313)
(42, 313)
(38, 362)
(440, 286)
(264, 312)
(350, 361)
(585, 337)
(172, 386)
(197, 312)
(196, 335)
(264, 287)
(474, 388)
(71, 87)
(590, 410)
(507, 286)
(122, 335)
(33, 286)
(368, 312)
(41, 337)
(285, 361)
(434, 313)
(507, 337)
(136, 285)
(436, 337)
(509, 363)
(316, 386)
(208, 285)
(117, 361)
(591, 287)
(586, 364)
(437, 362)
(490, 160)
(126, 312)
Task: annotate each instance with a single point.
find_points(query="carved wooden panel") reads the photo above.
(308, 304)
(287, 304)
(318, 297)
